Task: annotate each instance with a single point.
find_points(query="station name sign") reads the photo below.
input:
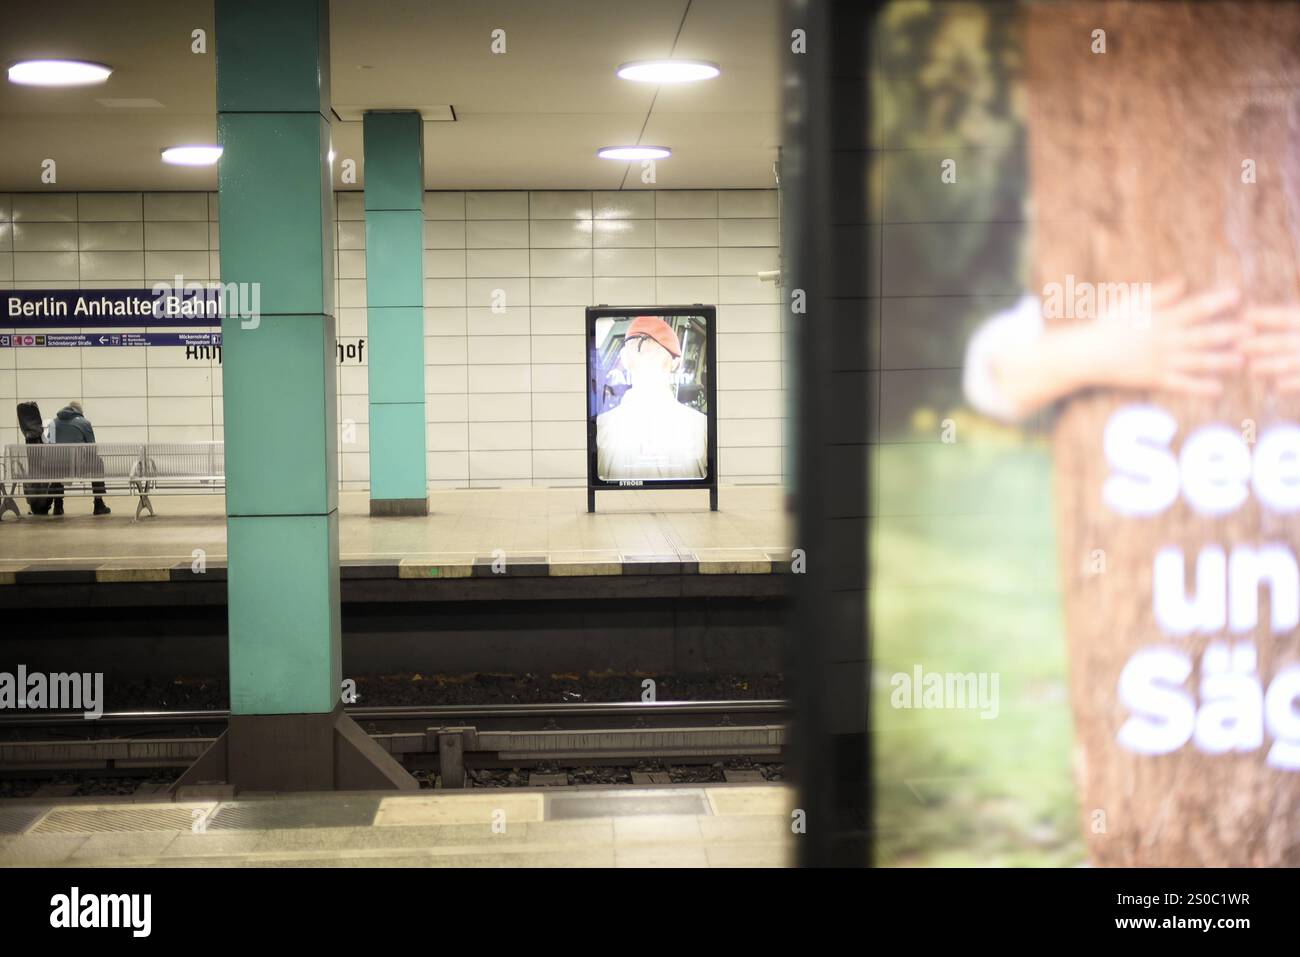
(82, 308)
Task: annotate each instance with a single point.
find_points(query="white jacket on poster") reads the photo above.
(650, 435)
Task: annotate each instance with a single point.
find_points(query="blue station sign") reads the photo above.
(192, 306)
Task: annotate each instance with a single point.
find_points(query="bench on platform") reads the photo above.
(132, 468)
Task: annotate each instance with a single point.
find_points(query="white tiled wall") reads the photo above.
(505, 402)
(107, 240)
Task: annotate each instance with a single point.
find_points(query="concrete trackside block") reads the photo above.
(733, 561)
(122, 573)
(489, 566)
(585, 563)
(435, 568)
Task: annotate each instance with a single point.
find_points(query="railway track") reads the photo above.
(446, 740)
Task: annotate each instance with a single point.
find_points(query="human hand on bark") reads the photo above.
(1273, 347)
(1171, 343)
(1181, 344)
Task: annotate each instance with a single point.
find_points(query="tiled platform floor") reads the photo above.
(550, 525)
(680, 826)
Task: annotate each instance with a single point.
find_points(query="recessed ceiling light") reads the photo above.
(668, 71)
(634, 152)
(191, 155)
(58, 73)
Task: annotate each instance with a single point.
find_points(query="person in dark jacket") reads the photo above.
(71, 426)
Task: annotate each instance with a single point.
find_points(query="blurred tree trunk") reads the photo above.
(1136, 167)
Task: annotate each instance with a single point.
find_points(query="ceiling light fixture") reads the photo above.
(668, 71)
(191, 155)
(634, 152)
(58, 73)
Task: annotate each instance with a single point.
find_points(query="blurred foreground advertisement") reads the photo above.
(1163, 157)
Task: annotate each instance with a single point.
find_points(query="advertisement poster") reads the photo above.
(1086, 493)
(651, 396)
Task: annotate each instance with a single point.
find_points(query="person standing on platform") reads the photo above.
(71, 426)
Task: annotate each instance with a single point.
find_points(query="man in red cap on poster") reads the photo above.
(649, 434)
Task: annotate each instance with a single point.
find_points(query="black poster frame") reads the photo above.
(710, 315)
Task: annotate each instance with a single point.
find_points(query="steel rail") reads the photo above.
(433, 713)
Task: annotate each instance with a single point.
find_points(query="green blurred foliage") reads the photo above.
(963, 559)
(947, 84)
(965, 585)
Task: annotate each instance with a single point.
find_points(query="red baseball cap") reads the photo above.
(658, 330)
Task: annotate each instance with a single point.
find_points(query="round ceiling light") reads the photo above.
(58, 73)
(668, 71)
(634, 152)
(191, 155)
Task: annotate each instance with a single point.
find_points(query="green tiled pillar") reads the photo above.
(277, 213)
(394, 167)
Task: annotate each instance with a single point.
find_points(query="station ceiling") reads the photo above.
(532, 117)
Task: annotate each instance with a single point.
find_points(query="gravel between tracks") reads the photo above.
(93, 784)
(200, 694)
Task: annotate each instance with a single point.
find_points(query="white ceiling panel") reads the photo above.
(532, 117)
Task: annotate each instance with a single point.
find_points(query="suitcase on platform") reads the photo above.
(29, 424)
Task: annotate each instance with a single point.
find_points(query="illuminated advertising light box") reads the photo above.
(652, 399)
(1177, 508)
